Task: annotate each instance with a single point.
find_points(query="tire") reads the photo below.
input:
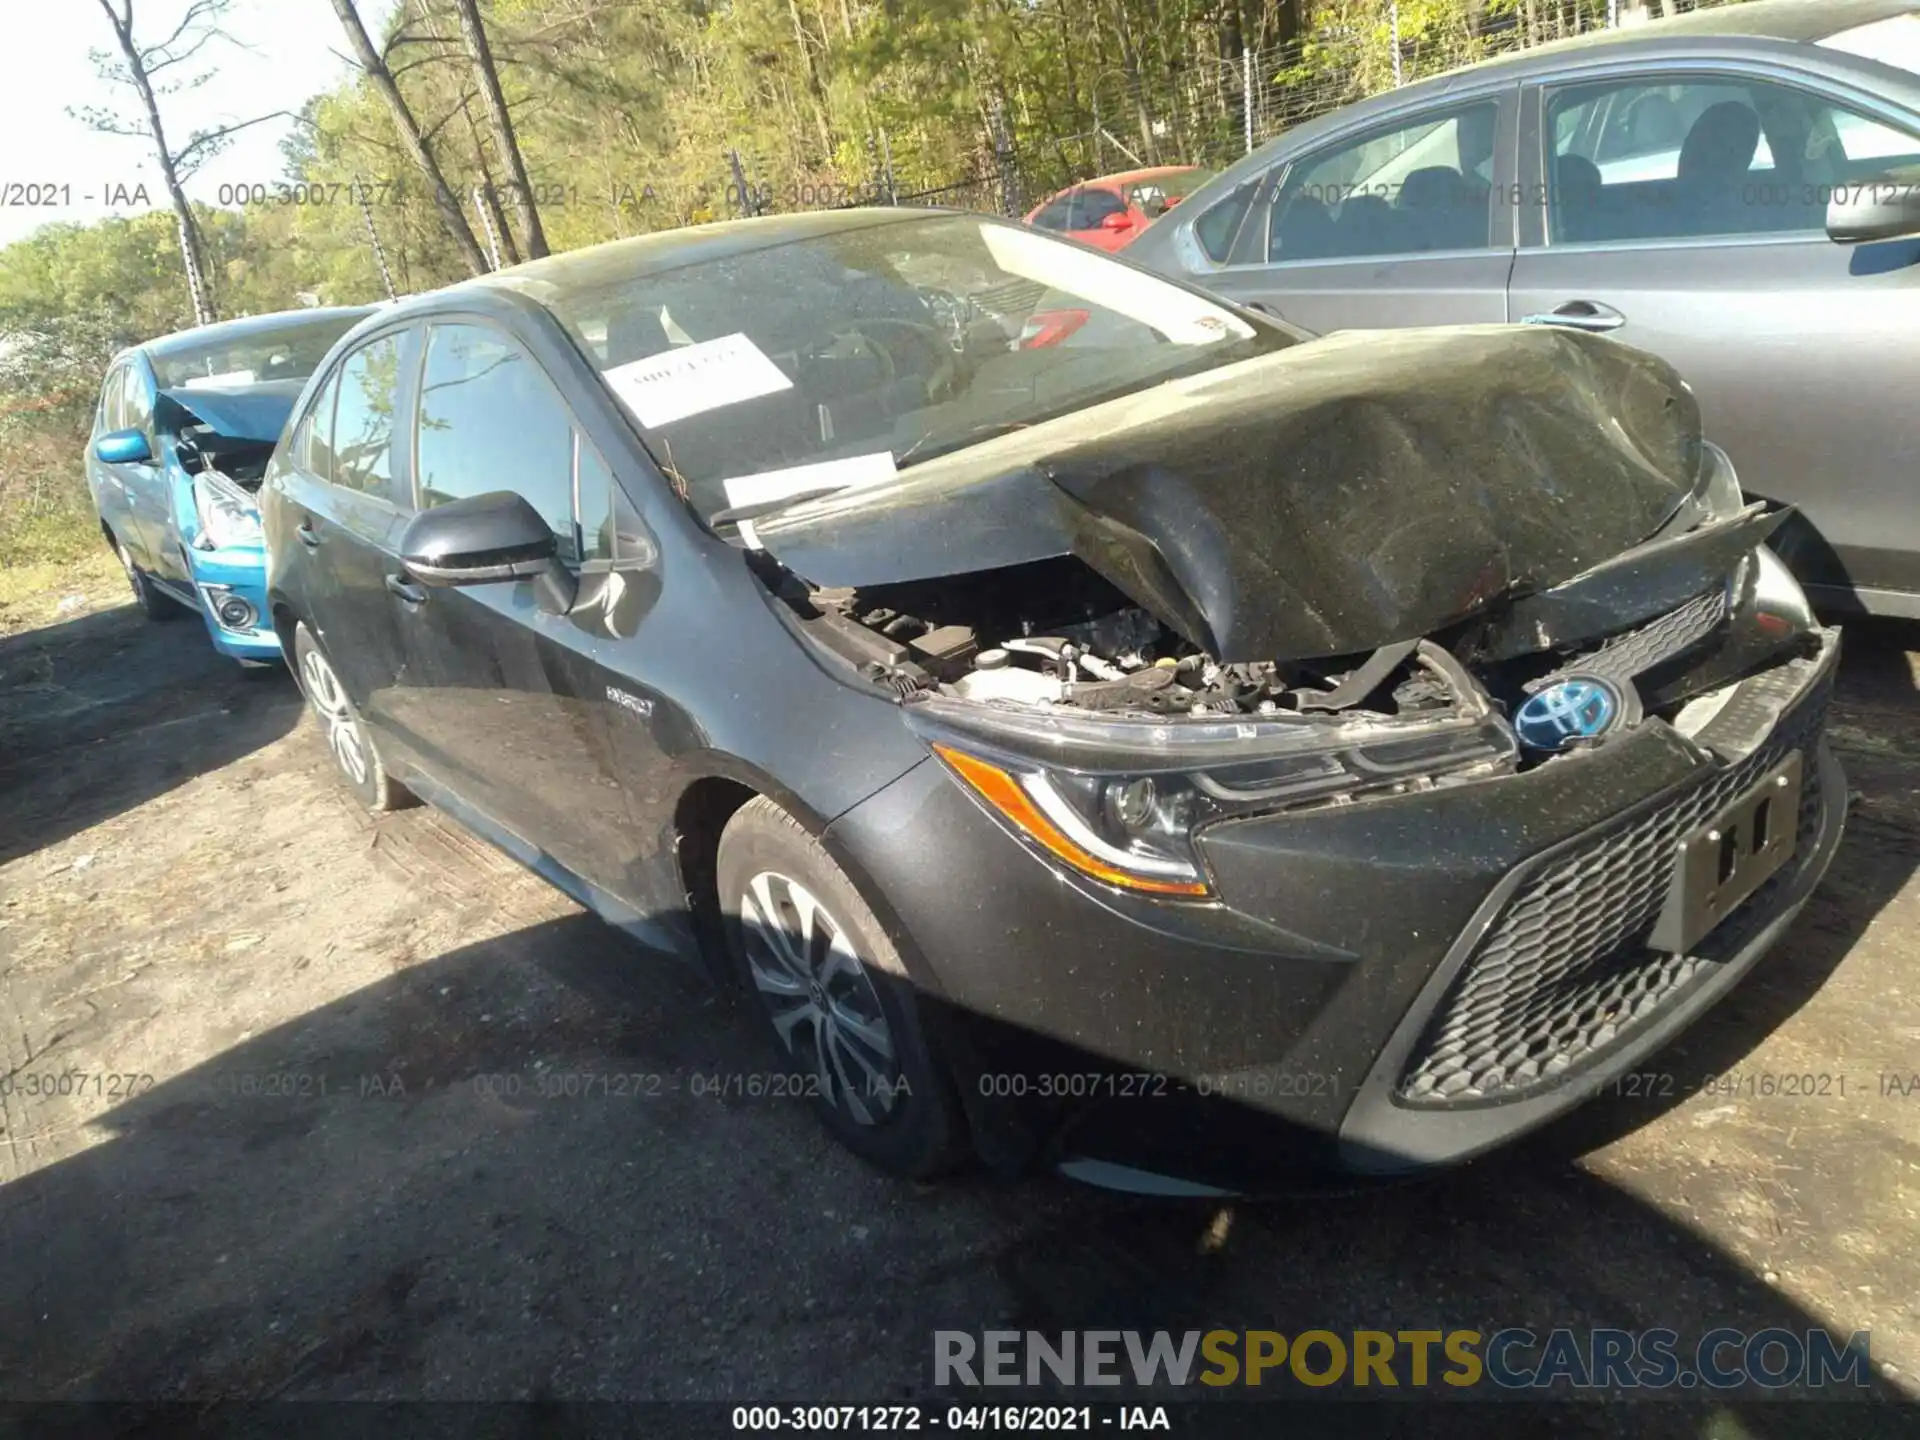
(354, 754)
(834, 1008)
(154, 603)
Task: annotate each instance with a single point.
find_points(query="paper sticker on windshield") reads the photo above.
(772, 486)
(692, 379)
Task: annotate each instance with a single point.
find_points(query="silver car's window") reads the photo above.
(1656, 158)
(491, 420)
(1416, 186)
(1220, 222)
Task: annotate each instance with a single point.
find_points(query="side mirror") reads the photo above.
(1886, 207)
(123, 447)
(1119, 220)
(484, 539)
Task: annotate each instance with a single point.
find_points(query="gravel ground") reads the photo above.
(276, 1175)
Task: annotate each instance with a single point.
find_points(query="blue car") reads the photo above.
(183, 430)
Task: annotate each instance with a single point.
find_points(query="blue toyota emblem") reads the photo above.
(1578, 708)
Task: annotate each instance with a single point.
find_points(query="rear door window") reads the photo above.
(1416, 185)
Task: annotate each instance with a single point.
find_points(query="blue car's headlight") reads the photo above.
(227, 513)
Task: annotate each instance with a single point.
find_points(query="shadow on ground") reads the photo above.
(505, 1172)
(101, 713)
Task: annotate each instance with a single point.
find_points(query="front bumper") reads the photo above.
(240, 572)
(1383, 987)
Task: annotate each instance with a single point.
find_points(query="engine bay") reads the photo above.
(243, 461)
(1056, 634)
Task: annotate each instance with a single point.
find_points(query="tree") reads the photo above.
(375, 69)
(136, 68)
(488, 78)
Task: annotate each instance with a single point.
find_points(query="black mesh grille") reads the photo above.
(1658, 641)
(1565, 973)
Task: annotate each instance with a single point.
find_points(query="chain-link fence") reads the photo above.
(1217, 111)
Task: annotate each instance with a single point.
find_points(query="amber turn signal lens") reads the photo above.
(1006, 795)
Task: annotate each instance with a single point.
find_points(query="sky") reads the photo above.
(290, 50)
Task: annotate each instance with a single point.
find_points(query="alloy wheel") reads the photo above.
(820, 997)
(336, 715)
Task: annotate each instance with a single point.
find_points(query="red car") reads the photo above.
(1109, 212)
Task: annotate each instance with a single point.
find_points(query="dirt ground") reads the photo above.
(282, 1170)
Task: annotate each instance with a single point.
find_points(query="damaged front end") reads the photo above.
(1090, 706)
(223, 439)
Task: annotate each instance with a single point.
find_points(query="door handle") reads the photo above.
(1579, 315)
(309, 536)
(409, 593)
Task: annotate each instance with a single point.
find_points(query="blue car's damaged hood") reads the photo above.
(241, 412)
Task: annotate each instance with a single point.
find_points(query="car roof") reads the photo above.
(1794, 21)
(227, 331)
(640, 256)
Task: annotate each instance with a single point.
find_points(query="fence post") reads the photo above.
(486, 224)
(1246, 94)
(1009, 173)
(886, 152)
(1393, 27)
(373, 238)
(747, 207)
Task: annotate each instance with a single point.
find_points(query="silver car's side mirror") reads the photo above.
(1886, 207)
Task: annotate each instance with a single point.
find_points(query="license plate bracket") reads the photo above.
(1723, 862)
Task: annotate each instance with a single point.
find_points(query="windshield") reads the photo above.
(289, 351)
(837, 359)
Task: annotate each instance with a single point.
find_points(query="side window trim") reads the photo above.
(1535, 166)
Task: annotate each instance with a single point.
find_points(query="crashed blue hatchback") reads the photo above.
(183, 430)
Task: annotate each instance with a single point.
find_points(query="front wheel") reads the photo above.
(154, 603)
(354, 753)
(834, 996)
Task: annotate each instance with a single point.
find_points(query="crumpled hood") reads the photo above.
(241, 412)
(1326, 500)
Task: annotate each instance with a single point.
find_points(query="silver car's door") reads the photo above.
(1685, 213)
(1406, 220)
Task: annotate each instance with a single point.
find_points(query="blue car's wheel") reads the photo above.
(154, 603)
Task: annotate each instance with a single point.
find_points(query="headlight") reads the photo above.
(1121, 801)
(227, 513)
(1779, 604)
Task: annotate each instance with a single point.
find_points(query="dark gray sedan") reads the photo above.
(1737, 190)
